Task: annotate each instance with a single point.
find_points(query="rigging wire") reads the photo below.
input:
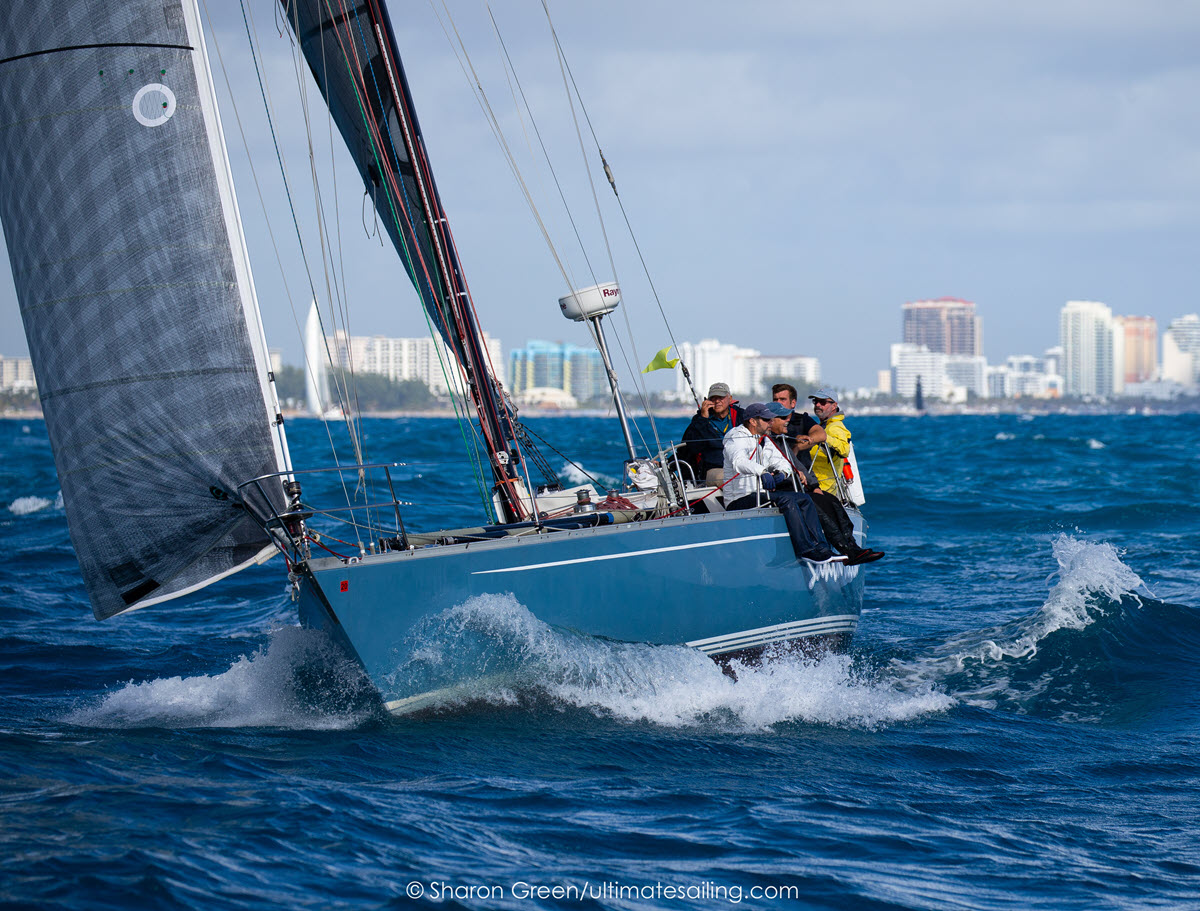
(496, 420)
(262, 202)
(613, 183)
(395, 192)
(511, 68)
(338, 302)
(333, 293)
(498, 133)
(564, 457)
(343, 393)
(608, 247)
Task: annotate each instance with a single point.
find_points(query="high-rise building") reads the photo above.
(577, 371)
(16, 375)
(946, 326)
(969, 372)
(1052, 361)
(1086, 334)
(1140, 341)
(764, 370)
(912, 362)
(399, 359)
(1025, 376)
(1000, 382)
(710, 361)
(584, 375)
(1181, 351)
(747, 371)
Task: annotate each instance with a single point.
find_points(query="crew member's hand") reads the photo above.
(768, 480)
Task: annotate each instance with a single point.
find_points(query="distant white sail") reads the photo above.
(316, 376)
(135, 290)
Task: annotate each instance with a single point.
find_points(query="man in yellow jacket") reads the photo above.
(837, 439)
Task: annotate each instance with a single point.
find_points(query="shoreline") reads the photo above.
(1033, 408)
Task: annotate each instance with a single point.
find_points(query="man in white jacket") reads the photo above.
(752, 472)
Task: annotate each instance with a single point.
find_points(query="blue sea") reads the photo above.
(1016, 726)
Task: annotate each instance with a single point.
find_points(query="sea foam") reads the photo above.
(514, 659)
(977, 666)
(574, 475)
(297, 681)
(23, 506)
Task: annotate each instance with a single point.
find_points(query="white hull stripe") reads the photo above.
(781, 632)
(628, 553)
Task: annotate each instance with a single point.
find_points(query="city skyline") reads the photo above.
(912, 154)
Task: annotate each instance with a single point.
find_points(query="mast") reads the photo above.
(352, 53)
(591, 305)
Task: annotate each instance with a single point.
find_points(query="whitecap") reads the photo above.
(1095, 444)
(23, 506)
(1089, 574)
(299, 680)
(509, 657)
(1006, 436)
(574, 475)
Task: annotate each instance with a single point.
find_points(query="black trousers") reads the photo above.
(803, 520)
(839, 530)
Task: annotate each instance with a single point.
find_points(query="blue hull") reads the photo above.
(726, 584)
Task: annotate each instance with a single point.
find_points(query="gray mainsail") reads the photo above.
(136, 294)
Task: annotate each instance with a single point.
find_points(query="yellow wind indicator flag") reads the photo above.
(661, 361)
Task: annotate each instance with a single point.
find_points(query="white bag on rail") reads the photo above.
(854, 487)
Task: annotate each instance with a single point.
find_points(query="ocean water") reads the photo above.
(1016, 726)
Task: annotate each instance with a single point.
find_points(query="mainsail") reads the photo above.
(135, 290)
(351, 50)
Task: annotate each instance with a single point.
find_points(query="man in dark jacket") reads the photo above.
(702, 449)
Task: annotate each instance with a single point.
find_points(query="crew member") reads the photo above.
(838, 529)
(752, 471)
(803, 430)
(702, 448)
(836, 443)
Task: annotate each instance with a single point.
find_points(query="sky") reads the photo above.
(793, 172)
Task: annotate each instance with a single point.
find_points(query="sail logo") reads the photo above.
(153, 105)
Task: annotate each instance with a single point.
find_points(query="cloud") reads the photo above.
(861, 153)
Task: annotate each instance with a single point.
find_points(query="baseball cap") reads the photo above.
(824, 393)
(757, 410)
(718, 391)
(777, 410)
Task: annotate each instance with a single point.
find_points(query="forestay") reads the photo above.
(344, 45)
(351, 50)
(135, 289)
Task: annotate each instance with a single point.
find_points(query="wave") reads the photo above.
(299, 680)
(513, 659)
(574, 475)
(1099, 649)
(24, 506)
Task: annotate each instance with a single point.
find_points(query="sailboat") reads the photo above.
(137, 295)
